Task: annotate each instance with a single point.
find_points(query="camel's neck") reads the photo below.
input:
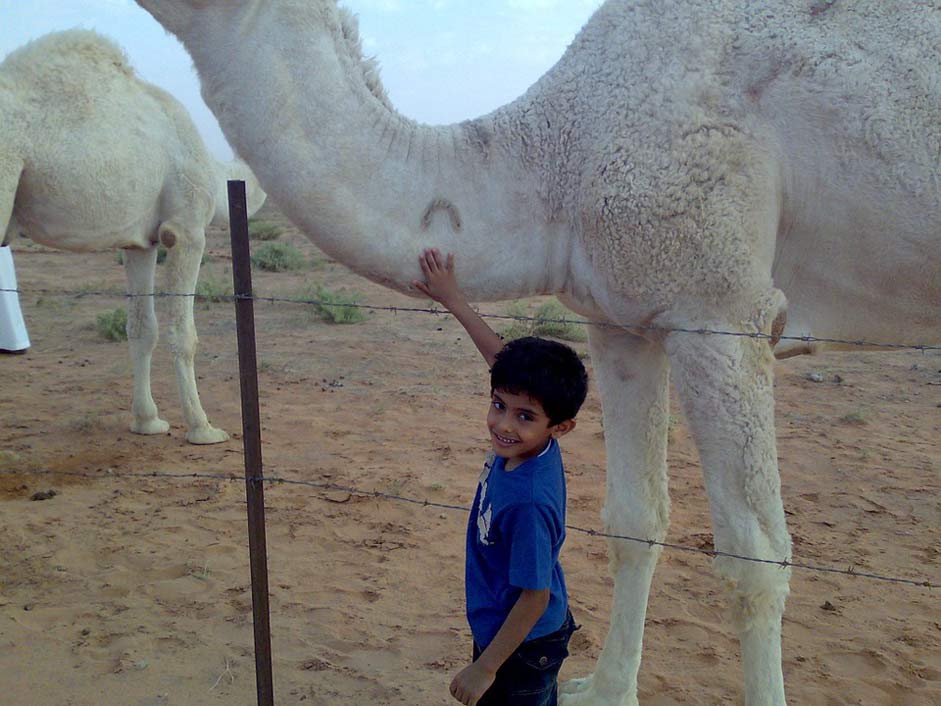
(369, 186)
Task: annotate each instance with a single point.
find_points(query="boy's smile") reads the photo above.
(520, 428)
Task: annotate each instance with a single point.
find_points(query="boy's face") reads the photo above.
(520, 428)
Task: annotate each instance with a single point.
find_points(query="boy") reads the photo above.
(517, 604)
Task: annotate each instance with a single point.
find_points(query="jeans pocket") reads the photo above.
(544, 660)
(548, 652)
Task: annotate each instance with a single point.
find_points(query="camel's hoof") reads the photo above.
(573, 692)
(206, 435)
(589, 698)
(150, 426)
(581, 692)
(575, 686)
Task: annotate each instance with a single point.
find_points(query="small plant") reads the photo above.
(202, 573)
(337, 307)
(517, 329)
(278, 257)
(853, 418)
(263, 230)
(212, 290)
(8, 459)
(83, 424)
(555, 321)
(551, 320)
(112, 325)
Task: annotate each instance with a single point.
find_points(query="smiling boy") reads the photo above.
(517, 604)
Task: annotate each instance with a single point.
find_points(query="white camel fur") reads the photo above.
(94, 158)
(684, 165)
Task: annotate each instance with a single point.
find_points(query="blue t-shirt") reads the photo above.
(514, 534)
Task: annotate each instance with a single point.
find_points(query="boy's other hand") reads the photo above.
(471, 683)
(440, 283)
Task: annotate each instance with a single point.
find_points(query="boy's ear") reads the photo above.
(563, 428)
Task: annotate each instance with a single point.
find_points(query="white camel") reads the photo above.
(94, 158)
(684, 165)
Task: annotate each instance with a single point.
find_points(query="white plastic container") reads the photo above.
(13, 336)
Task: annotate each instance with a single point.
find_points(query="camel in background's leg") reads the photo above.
(186, 245)
(140, 265)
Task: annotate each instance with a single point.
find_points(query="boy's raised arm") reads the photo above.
(441, 285)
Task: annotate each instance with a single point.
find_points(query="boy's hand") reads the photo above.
(440, 283)
(471, 683)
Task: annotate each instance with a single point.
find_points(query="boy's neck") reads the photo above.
(514, 463)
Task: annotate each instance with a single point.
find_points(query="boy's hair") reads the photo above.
(549, 372)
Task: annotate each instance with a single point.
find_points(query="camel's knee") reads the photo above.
(183, 341)
(632, 532)
(142, 325)
(756, 592)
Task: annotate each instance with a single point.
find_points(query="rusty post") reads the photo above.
(251, 439)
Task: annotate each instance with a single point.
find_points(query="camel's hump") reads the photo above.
(74, 51)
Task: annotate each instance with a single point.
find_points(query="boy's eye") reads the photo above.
(526, 417)
(497, 404)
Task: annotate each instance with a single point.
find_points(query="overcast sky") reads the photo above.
(442, 60)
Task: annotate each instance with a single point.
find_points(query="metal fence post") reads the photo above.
(251, 439)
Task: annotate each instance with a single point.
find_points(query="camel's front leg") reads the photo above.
(186, 251)
(726, 387)
(139, 266)
(633, 377)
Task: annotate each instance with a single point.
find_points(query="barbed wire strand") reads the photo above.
(534, 319)
(324, 485)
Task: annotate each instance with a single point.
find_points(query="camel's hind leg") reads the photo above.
(633, 377)
(139, 265)
(182, 266)
(726, 387)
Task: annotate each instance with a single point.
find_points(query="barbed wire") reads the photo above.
(703, 331)
(351, 490)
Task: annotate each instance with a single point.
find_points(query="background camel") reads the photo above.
(93, 158)
(683, 166)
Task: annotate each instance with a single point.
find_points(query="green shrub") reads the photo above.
(212, 290)
(517, 329)
(278, 257)
(337, 307)
(263, 230)
(112, 325)
(551, 320)
(555, 321)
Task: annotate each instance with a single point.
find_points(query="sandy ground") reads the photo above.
(135, 591)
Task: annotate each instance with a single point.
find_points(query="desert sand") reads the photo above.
(127, 590)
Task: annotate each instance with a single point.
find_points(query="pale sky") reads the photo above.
(442, 60)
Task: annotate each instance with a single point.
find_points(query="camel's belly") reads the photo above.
(57, 226)
(67, 206)
(848, 280)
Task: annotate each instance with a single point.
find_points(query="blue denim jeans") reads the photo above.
(530, 677)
